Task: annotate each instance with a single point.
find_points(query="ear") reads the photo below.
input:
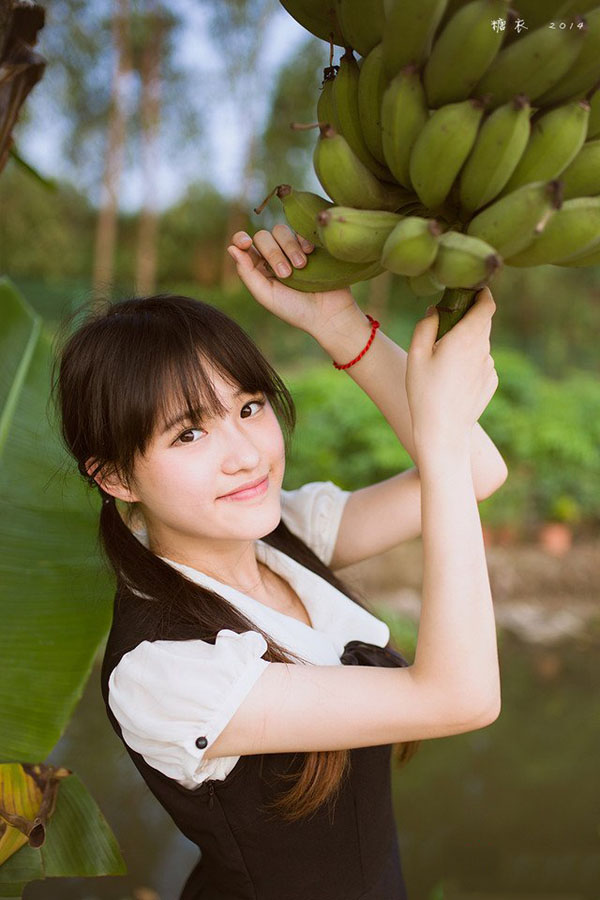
(110, 482)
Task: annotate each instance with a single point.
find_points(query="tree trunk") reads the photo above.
(239, 210)
(238, 218)
(106, 226)
(150, 60)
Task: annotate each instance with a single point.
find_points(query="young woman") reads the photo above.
(228, 671)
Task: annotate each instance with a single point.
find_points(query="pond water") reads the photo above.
(508, 811)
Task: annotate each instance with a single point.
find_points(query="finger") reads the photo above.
(272, 252)
(478, 317)
(423, 337)
(306, 245)
(241, 239)
(485, 299)
(290, 244)
(257, 261)
(253, 276)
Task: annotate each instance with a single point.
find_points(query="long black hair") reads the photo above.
(113, 374)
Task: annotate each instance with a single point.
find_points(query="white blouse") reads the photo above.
(166, 694)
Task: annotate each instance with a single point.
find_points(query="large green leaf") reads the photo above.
(55, 599)
(78, 843)
(54, 596)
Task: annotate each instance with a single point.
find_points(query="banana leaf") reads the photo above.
(51, 184)
(79, 843)
(55, 597)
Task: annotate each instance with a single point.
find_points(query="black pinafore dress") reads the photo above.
(345, 851)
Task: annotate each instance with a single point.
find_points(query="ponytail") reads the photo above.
(114, 373)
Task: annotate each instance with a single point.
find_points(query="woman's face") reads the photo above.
(181, 481)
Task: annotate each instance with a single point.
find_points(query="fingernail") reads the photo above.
(307, 245)
(283, 269)
(298, 259)
(245, 236)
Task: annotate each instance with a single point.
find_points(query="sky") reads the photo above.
(228, 130)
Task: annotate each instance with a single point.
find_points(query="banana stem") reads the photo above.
(452, 306)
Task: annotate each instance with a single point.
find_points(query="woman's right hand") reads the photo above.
(450, 382)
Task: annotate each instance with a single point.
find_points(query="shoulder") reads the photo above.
(166, 694)
(313, 512)
(163, 662)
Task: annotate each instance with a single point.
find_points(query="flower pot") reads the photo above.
(556, 538)
(507, 535)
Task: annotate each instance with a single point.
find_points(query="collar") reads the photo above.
(336, 618)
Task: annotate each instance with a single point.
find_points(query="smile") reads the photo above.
(246, 494)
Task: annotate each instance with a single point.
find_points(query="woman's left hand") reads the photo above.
(257, 260)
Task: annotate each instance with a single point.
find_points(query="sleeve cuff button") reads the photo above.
(201, 743)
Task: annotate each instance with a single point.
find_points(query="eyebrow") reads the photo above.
(182, 417)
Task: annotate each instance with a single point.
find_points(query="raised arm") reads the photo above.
(453, 684)
(381, 374)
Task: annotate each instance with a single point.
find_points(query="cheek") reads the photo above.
(179, 474)
(274, 438)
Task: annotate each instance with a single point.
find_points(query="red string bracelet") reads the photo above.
(374, 327)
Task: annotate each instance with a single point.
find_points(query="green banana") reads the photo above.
(511, 223)
(441, 149)
(572, 231)
(556, 139)
(411, 247)
(425, 285)
(497, 151)
(586, 70)
(345, 98)
(535, 13)
(531, 65)
(463, 52)
(323, 272)
(362, 29)
(326, 114)
(300, 209)
(409, 30)
(588, 259)
(404, 114)
(463, 261)
(412, 208)
(371, 85)
(347, 180)
(582, 177)
(573, 6)
(355, 235)
(317, 16)
(594, 120)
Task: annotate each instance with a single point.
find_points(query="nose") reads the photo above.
(239, 452)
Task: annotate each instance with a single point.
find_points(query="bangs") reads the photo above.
(187, 391)
(140, 363)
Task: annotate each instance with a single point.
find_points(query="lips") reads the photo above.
(247, 486)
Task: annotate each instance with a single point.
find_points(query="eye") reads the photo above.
(183, 433)
(259, 402)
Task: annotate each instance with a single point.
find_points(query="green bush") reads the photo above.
(547, 431)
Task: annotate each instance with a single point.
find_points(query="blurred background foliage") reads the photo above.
(162, 127)
(544, 417)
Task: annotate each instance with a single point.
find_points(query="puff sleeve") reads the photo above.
(167, 695)
(314, 512)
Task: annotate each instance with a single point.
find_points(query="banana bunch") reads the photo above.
(451, 144)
